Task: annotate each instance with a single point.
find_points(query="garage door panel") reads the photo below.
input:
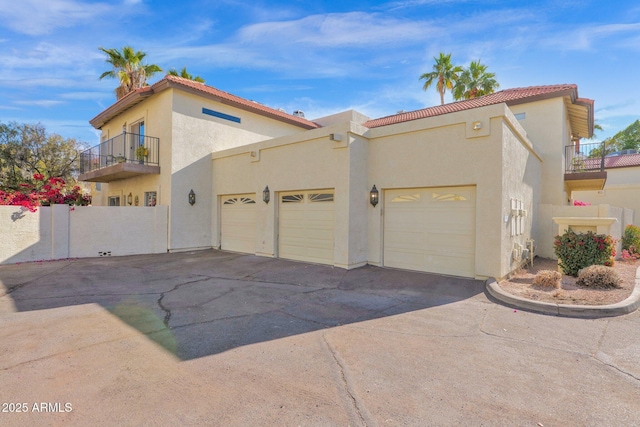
(306, 221)
(238, 223)
(431, 229)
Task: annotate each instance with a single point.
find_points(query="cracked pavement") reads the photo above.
(215, 338)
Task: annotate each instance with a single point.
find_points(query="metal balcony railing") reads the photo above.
(124, 148)
(585, 157)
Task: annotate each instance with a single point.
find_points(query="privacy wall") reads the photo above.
(60, 232)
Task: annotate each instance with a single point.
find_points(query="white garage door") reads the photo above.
(306, 226)
(431, 229)
(238, 223)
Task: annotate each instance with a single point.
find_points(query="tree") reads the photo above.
(628, 138)
(128, 68)
(27, 149)
(475, 81)
(444, 74)
(185, 75)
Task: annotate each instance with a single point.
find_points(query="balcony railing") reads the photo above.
(585, 158)
(124, 148)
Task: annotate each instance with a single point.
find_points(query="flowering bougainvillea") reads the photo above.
(44, 193)
(579, 250)
(579, 203)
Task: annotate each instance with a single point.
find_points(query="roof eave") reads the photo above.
(165, 84)
(121, 105)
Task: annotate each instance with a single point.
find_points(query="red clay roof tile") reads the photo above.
(508, 96)
(168, 81)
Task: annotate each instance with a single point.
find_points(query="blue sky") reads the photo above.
(321, 57)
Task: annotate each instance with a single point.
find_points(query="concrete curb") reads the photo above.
(627, 306)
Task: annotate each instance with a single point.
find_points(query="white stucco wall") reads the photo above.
(194, 137)
(286, 164)
(444, 151)
(59, 232)
(547, 126)
(521, 181)
(118, 231)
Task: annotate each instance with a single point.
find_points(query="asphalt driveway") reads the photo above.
(214, 338)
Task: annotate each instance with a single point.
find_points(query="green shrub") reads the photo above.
(631, 240)
(579, 250)
(599, 276)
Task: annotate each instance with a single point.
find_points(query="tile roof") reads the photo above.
(202, 89)
(508, 96)
(612, 161)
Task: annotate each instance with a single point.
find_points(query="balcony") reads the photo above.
(584, 167)
(124, 156)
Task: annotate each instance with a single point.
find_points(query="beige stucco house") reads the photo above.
(452, 189)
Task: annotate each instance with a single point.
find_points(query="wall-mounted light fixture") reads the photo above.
(266, 196)
(477, 125)
(192, 197)
(374, 196)
(130, 199)
(136, 200)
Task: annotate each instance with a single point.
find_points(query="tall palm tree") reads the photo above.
(444, 73)
(475, 81)
(185, 75)
(128, 68)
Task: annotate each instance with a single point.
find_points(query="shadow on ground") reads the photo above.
(202, 303)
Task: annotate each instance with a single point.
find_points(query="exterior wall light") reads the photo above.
(266, 196)
(192, 198)
(130, 199)
(374, 196)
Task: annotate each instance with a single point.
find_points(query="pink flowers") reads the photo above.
(579, 203)
(50, 193)
(630, 255)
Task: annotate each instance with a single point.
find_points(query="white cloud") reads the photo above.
(37, 17)
(339, 30)
(46, 103)
(588, 36)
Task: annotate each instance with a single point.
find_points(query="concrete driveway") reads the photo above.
(214, 338)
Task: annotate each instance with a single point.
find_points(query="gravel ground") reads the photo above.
(520, 284)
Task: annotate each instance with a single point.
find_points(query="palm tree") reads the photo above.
(475, 81)
(185, 75)
(444, 73)
(128, 68)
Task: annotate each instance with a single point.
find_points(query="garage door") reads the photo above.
(306, 226)
(431, 229)
(238, 223)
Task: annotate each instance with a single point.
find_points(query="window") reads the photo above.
(150, 198)
(406, 198)
(320, 197)
(136, 139)
(239, 200)
(448, 197)
(114, 201)
(521, 116)
(293, 198)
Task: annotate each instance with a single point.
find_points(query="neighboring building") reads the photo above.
(623, 183)
(458, 186)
